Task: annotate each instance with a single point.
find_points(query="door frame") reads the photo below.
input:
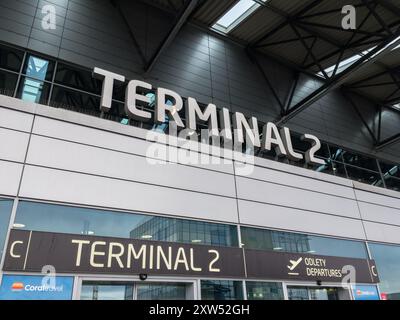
(191, 293)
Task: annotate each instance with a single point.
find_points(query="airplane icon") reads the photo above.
(294, 263)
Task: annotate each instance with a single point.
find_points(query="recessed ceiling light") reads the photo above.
(146, 236)
(196, 241)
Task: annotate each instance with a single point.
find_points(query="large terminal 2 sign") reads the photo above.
(30, 251)
(220, 123)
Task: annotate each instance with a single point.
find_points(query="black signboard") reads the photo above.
(308, 267)
(30, 251)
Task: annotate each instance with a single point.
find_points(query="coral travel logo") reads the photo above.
(20, 287)
(17, 286)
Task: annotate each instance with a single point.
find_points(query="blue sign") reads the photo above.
(20, 287)
(365, 293)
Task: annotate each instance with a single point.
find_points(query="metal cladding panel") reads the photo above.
(128, 167)
(71, 187)
(286, 196)
(382, 232)
(278, 217)
(10, 173)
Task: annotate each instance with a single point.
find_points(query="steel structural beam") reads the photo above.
(355, 107)
(334, 82)
(387, 142)
(253, 59)
(131, 34)
(183, 17)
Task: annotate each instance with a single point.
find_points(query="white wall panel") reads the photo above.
(382, 232)
(266, 192)
(276, 176)
(56, 185)
(114, 141)
(378, 199)
(10, 174)
(15, 119)
(377, 213)
(13, 145)
(82, 158)
(270, 216)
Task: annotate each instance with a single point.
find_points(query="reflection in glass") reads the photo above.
(316, 293)
(33, 84)
(261, 239)
(5, 212)
(101, 290)
(221, 290)
(298, 293)
(393, 183)
(77, 78)
(75, 101)
(264, 290)
(364, 176)
(10, 58)
(8, 81)
(65, 219)
(161, 291)
(387, 259)
(360, 161)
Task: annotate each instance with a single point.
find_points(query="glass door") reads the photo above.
(317, 293)
(106, 290)
(161, 291)
(122, 290)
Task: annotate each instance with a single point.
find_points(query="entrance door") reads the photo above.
(122, 290)
(317, 293)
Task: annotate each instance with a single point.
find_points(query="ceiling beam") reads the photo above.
(383, 48)
(387, 142)
(188, 9)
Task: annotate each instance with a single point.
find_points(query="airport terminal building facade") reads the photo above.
(112, 205)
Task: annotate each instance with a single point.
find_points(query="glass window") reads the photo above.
(10, 58)
(360, 161)
(102, 290)
(77, 78)
(390, 169)
(264, 290)
(339, 169)
(76, 101)
(221, 290)
(33, 90)
(387, 259)
(33, 87)
(8, 82)
(336, 153)
(261, 239)
(364, 176)
(161, 291)
(5, 212)
(38, 68)
(64, 219)
(392, 183)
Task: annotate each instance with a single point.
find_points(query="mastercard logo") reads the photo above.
(17, 286)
